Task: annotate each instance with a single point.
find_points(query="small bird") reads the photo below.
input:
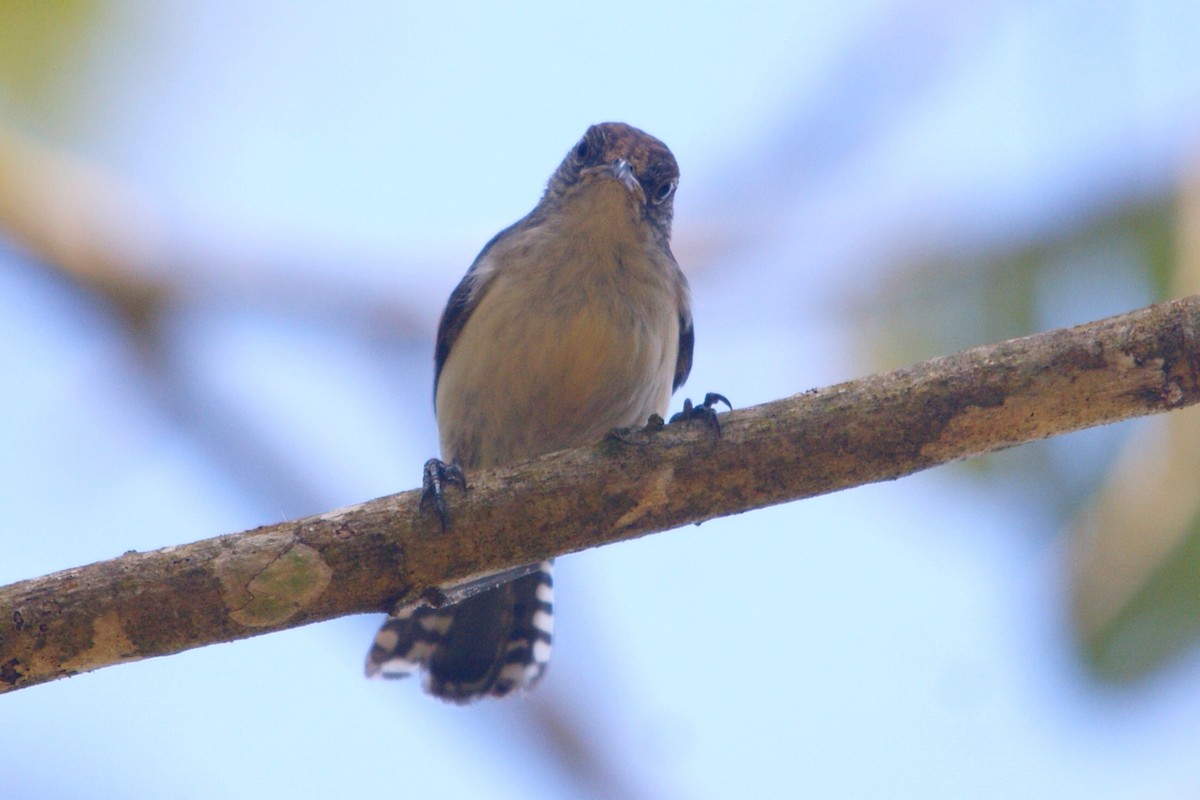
(572, 322)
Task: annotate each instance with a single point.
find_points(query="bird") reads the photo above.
(574, 321)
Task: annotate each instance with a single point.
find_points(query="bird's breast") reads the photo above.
(568, 341)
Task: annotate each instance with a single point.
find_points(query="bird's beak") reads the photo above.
(624, 173)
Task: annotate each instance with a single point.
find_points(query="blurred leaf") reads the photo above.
(1160, 619)
(40, 41)
(1136, 553)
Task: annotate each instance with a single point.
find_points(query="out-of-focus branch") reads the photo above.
(102, 231)
(369, 556)
(84, 220)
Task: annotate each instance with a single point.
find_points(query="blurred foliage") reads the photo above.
(1158, 622)
(41, 45)
(961, 297)
(1137, 597)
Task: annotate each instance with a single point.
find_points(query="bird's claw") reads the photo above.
(705, 412)
(435, 476)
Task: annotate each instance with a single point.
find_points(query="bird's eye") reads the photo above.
(591, 147)
(663, 191)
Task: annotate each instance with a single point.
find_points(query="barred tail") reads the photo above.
(489, 644)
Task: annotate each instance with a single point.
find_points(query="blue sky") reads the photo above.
(908, 638)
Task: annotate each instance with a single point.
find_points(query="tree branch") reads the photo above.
(371, 556)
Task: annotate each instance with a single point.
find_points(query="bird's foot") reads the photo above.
(705, 412)
(435, 476)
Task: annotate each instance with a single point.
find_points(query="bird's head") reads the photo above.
(614, 156)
